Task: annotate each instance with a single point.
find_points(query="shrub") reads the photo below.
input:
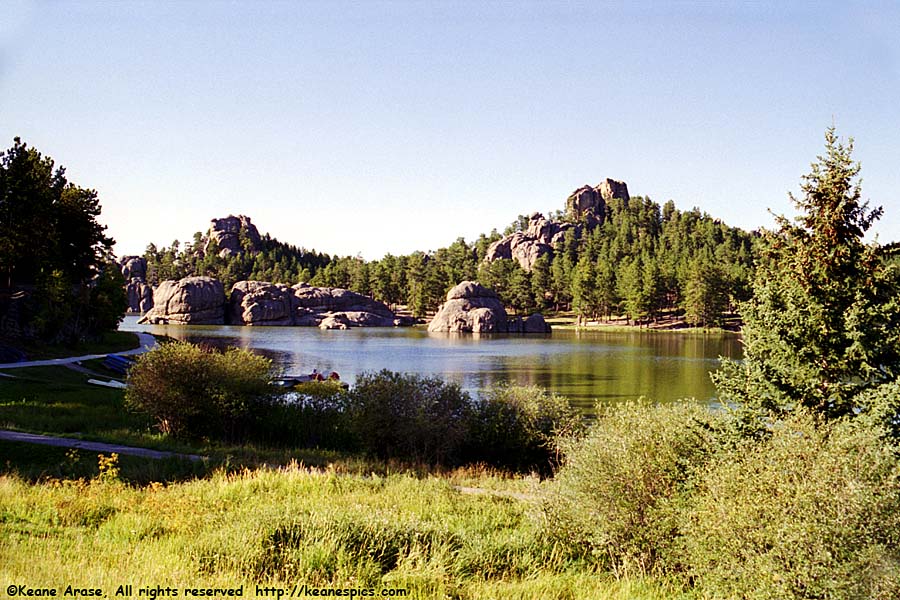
(313, 416)
(811, 512)
(409, 417)
(197, 392)
(516, 428)
(617, 493)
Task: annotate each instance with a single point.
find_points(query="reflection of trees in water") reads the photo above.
(586, 367)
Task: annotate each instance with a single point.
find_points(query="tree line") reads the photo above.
(58, 278)
(643, 260)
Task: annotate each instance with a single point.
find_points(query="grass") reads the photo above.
(293, 525)
(58, 400)
(112, 341)
(260, 516)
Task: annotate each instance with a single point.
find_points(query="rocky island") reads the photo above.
(473, 308)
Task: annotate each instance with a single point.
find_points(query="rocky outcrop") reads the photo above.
(532, 324)
(133, 267)
(231, 234)
(610, 188)
(586, 206)
(192, 300)
(471, 307)
(137, 290)
(262, 303)
(140, 295)
(588, 200)
(526, 247)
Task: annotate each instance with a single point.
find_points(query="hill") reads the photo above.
(606, 253)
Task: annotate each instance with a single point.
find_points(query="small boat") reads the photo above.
(110, 384)
(290, 381)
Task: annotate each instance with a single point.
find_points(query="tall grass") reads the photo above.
(288, 526)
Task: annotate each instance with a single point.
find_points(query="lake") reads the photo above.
(585, 366)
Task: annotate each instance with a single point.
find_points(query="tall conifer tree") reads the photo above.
(824, 322)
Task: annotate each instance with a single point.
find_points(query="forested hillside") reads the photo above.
(270, 260)
(629, 257)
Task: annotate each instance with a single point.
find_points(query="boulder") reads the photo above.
(228, 234)
(192, 300)
(335, 321)
(260, 303)
(140, 295)
(470, 307)
(315, 303)
(535, 324)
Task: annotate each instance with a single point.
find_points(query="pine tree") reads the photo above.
(824, 323)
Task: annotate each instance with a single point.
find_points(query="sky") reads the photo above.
(366, 128)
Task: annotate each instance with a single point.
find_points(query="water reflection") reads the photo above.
(585, 366)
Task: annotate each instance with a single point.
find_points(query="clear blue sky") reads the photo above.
(374, 127)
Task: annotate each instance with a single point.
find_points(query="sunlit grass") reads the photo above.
(293, 525)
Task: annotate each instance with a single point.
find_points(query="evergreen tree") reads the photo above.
(824, 323)
(53, 251)
(705, 294)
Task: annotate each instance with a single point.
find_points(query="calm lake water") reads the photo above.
(584, 366)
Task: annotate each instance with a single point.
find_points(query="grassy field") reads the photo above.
(295, 526)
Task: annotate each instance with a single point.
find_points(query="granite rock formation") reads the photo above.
(133, 267)
(588, 200)
(140, 295)
(137, 290)
(192, 300)
(526, 247)
(586, 207)
(262, 303)
(229, 233)
(471, 307)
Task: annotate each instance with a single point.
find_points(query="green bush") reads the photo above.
(617, 494)
(197, 392)
(410, 417)
(811, 512)
(314, 415)
(880, 408)
(516, 428)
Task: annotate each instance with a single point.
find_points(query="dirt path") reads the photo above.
(145, 341)
(48, 440)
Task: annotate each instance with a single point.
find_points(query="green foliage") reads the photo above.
(517, 428)
(314, 415)
(824, 322)
(706, 293)
(618, 493)
(195, 392)
(811, 512)
(410, 417)
(53, 249)
(426, 420)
